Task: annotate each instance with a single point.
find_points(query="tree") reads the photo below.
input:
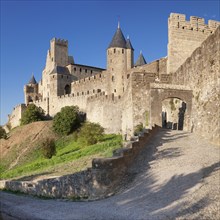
(48, 148)
(67, 120)
(2, 133)
(90, 133)
(31, 114)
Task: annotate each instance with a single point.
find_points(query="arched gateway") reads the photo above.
(171, 106)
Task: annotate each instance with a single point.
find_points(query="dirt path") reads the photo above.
(178, 178)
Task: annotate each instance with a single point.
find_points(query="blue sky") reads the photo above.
(28, 26)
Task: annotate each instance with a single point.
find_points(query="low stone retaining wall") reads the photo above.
(93, 183)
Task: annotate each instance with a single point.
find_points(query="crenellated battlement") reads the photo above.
(178, 21)
(185, 36)
(98, 77)
(60, 41)
(102, 97)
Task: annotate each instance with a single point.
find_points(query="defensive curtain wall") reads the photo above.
(201, 73)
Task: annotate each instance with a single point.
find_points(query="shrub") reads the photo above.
(31, 114)
(2, 133)
(138, 129)
(90, 133)
(67, 120)
(48, 148)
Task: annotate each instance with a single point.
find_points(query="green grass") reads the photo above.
(67, 150)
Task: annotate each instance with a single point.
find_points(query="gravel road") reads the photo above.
(177, 176)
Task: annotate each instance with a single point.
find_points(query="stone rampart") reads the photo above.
(201, 72)
(15, 116)
(90, 85)
(97, 182)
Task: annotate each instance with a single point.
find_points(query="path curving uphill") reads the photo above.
(178, 178)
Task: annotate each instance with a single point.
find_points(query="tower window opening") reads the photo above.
(85, 70)
(74, 69)
(61, 76)
(67, 89)
(114, 50)
(80, 70)
(91, 71)
(122, 50)
(114, 90)
(113, 78)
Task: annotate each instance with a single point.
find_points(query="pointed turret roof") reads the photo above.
(32, 80)
(128, 44)
(118, 39)
(140, 61)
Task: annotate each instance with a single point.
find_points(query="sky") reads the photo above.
(28, 26)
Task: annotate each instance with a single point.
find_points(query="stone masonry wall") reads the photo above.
(184, 37)
(114, 113)
(90, 85)
(97, 182)
(201, 72)
(140, 97)
(15, 116)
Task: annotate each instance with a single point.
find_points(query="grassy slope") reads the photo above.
(71, 157)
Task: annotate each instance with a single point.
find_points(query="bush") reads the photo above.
(90, 133)
(67, 120)
(31, 114)
(48, 148)
(2, 133)
(138, 129)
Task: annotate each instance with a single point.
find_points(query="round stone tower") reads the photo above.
(31, 91)
(117, 62)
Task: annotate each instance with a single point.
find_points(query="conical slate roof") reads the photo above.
(140, 61)
(118, 39)
(32, 80)
(128, 44)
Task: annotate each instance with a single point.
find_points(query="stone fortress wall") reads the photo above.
(15, 116)
(201, 72)
(120, 97)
